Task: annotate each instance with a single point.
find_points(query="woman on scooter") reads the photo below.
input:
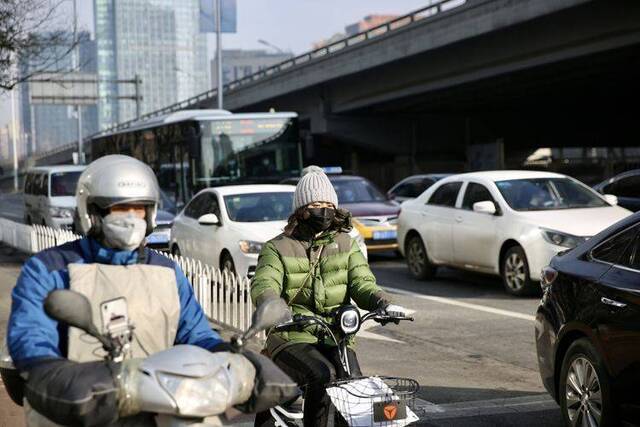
(316, 268)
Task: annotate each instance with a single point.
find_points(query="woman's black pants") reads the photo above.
(312, 367)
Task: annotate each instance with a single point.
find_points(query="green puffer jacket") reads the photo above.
(285, 269)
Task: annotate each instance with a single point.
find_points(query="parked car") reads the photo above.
(413, 186)
(587, 328)
(49, 195)
(626, 187)
(508, 223)
(374, 215)
(227, 226)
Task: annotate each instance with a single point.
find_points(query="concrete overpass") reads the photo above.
(459, 85)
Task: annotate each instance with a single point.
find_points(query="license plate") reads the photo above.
(389, 411)
(385, 235)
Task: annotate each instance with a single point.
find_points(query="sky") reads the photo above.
(291, 25)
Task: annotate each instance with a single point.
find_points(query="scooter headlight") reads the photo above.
(198, 397)
(349, 320)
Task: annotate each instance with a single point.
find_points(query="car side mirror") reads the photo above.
(209, 219)
(611, 199)
(485, 207)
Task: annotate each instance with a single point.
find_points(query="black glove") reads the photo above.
(72, 393)
(272, 386)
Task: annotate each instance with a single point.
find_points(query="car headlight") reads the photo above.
(250, 247)
(198, 397)
(561, 239)
(60, 212)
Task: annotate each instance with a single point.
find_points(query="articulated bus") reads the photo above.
(193, 149)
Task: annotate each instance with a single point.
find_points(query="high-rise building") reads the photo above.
(367, 23)
(238, 63)
(56, 125)
(157, 40)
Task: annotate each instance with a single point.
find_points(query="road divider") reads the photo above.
(457, 303)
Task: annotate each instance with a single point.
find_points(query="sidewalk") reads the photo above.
(11, 261)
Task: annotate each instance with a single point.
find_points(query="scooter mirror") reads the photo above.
(270, 313)
(71, 308)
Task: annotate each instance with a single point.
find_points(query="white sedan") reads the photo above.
(226, 226)
(508, 223)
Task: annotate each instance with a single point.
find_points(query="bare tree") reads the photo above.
(28, 42)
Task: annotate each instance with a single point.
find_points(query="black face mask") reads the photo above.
(320, 219)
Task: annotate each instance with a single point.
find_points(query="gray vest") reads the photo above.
(152, 301)
(153, 307)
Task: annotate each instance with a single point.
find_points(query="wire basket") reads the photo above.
(374, 401)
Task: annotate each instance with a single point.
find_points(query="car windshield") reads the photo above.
(548, 194)
(64, 183)
(259, 207)
(356, 191)
(166, 204)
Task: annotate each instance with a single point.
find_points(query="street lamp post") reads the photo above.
(14, 140)
(266, 43)
(219, 51)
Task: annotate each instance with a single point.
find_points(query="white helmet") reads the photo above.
(113, 180)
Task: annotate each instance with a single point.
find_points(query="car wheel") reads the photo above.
(417, 258)
(585, 394)
(226, 263)
(175, 250)
(515, 272)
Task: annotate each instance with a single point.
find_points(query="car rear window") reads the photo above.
(357, 191)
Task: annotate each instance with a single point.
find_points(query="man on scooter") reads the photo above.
(117, 199)
(316, 268)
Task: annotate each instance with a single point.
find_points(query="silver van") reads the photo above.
(49, 195)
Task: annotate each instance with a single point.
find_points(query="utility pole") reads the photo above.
(14, 139)
(219, 51)
(76, 63)
(137, 89)
(32, 119)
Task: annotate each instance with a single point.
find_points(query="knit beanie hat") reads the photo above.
(314, 186)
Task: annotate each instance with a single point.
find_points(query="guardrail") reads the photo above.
(224, 297)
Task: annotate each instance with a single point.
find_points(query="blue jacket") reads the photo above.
(32, 335)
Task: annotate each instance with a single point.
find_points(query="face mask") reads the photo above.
(320, 219)
(123, 231)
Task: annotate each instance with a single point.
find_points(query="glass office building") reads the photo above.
(158, 40)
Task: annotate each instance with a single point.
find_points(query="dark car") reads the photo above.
(588, 327)
(626, 187)
(413, 186)
(375, 216)
(161, 235)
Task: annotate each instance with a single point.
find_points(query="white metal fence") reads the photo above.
(224, 297)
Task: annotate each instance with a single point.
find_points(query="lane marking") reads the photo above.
(457, 303)
(522, 404)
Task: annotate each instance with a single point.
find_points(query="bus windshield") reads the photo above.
(251, 150)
